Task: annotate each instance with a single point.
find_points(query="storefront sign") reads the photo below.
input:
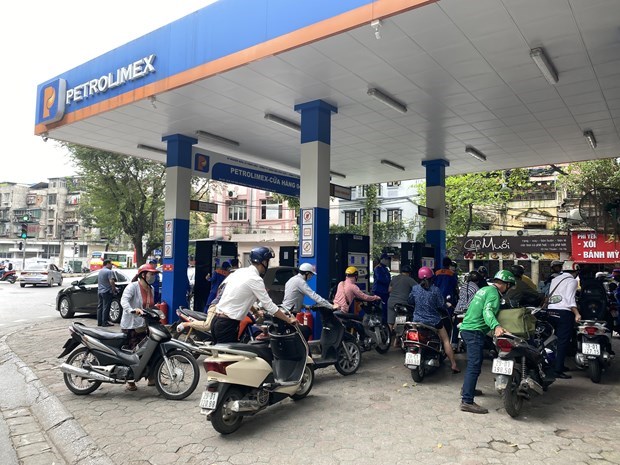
(591, 247)
(514, 244)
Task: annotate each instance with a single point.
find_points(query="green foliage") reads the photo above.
(584, 176)
(203, 190)
(122, 194)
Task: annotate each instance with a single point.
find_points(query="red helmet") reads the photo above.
(147, 267)
(425, 273)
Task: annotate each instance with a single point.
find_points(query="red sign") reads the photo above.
(591, 247)
(168, 267)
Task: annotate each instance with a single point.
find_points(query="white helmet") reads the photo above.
(306, 268)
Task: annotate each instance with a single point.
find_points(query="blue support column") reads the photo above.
(176, 222)
(314, 193)
(436, 199)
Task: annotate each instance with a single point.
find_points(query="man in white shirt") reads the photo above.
(297, 288)
(243, 288)
(564, 314)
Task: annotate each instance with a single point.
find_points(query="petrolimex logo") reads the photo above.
(52, 100)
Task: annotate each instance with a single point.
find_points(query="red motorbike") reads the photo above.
(9, 276)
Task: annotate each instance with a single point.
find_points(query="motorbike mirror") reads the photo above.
(74, 283)
(555, 299)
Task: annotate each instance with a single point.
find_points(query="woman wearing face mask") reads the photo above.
(137, 295)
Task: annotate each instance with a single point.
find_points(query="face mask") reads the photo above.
(150, 279)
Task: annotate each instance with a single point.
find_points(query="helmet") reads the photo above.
(483, 270)
(570, 266)
(260, 254)
(384, 256)
(351, 270)
(505, 276)
(473, 277)
(556, 263)
(517, 270)
(225, 265)
(600, 275)
(147, 268)
(425, 273)
(307, 268)
(405, 269)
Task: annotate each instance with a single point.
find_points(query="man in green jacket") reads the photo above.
(480, 318)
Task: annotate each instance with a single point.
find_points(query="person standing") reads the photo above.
(106, 290)
(564, 314)
(381, 283)
(137, 295)
(400, 288)
(244, 287)
(480, 318)
(156, 284)
(221, 273)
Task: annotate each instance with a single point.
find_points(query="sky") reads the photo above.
(43, 39)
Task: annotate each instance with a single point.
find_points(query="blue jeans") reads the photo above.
(104, 302)
(563, 321)
(474, 342)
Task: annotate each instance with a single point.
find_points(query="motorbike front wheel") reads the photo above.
(307, 381)
(594, 370)
(349, 358)
(386, 340)
(77, 384)
(417, 374)
(177, 378)
(512, 400)
(223, 419)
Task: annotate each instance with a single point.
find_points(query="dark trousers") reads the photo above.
(104, 301)
(224, 330)
(384, 298)
(474, 342)
(563, 321)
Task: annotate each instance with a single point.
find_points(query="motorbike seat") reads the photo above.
(101, 333)
(348, 316)
(193, 314)
(262, 350)
(422, 325)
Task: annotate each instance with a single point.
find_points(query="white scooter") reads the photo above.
(243, 379)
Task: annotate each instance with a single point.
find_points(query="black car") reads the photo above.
(81, 296)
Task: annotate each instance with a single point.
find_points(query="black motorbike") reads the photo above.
(404, 313)
(103, 358)
(368, 327)
(594, 351)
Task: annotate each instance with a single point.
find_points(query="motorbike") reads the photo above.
(243, 379)
(104, 358)
(404, 313)
(248, 327)
(424, 351)
(368, 327)
(336, 346)
(594, 351)
(9, 276)
(523, 368)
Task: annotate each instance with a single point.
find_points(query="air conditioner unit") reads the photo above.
(232, 195)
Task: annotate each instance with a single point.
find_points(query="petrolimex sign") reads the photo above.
(57, 96)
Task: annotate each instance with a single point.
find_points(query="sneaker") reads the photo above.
(473, 408)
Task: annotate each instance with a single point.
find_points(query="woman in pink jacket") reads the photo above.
(348, 291)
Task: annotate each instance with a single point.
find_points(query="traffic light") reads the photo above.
(24, 232)
(76, 248)
(20, 246)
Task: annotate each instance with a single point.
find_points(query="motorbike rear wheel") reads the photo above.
(417, 374)
(307, 381)
(77, 384)
(11, 279)
(224, 420)
(347, 365)
(176, 385)
(512, 400)
(386, 340)
(594, 370)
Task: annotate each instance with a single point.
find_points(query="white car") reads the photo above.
(40, 273)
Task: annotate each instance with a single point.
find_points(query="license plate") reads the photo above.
(412, 359)
(588, 348)
(400, 320)
(208, 400)
(502, 367)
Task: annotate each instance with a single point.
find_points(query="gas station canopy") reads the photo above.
(522, 82)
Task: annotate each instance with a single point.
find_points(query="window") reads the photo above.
(351, 217)
(363, 190)
(394, 214)
(376, 215)
(393, 184)
(51, 199)
(270, 210)
(238, 210)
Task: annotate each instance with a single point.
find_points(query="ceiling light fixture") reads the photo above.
(393, 165)
(545, 66)
(151, 148)
(474, 152)
(387, 100)
(283, 122)
(336, 173)
(215, 138)
(589, 135)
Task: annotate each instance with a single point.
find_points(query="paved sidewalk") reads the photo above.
(376, 416)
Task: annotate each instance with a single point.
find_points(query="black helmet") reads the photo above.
(517, 270)
(483, 270)
(473, 277)
(406, 269)
(260, 254)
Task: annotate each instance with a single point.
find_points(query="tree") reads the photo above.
(122, 193)
(587, 175)
(203, 190)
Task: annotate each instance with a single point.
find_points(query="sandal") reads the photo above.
(131, 387)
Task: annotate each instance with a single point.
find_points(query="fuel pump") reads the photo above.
(417, 255)
(209, 255)
(349, 250)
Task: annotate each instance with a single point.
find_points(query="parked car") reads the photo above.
(275, 278)
(40, 273)
(81, 296)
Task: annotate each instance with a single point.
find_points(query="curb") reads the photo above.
(59, 425)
